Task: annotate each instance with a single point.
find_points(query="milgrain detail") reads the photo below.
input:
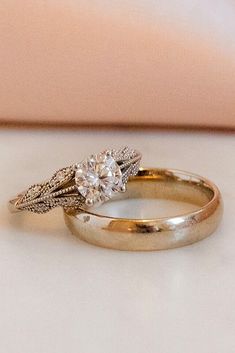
(102, 174)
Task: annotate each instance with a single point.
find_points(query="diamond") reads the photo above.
(98, 177)
(33, 191)
(60, 175)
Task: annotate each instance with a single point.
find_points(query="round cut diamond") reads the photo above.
(98, 178)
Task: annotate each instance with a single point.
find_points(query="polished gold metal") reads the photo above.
(159, 233)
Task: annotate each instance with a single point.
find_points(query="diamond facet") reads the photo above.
(98, 177)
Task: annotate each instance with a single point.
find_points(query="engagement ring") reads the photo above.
(94, 180)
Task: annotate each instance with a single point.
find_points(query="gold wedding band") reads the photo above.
(159, 233)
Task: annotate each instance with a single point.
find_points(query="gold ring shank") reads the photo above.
(159, 233)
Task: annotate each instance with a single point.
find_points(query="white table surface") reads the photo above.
(59, 294)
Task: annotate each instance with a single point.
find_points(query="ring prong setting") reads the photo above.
(89, 202)
(108, 153)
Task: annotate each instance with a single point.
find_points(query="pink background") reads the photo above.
(118, 62)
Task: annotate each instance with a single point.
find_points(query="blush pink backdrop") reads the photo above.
(122, 62)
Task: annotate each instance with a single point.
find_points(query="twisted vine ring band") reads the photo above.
(95, 179)
(159, 233)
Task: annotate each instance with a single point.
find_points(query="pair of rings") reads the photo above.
(104, 176)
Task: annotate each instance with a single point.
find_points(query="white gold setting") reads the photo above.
(95, 179)
(98, 178)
